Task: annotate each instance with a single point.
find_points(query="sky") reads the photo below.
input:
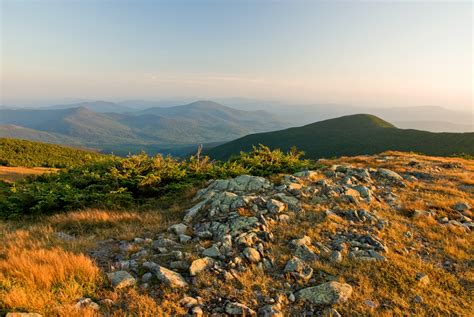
(376, 53)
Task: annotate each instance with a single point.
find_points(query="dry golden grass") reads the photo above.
(39, 279)
(41, 273)
(13, 174)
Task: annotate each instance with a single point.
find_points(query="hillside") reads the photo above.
(382, 235)
(155, 128)
(352, 135)
(14, 152)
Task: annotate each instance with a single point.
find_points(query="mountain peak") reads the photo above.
(356, 121)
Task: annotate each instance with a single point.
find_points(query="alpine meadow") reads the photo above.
(236, 158)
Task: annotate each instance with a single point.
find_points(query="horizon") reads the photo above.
(385, 54)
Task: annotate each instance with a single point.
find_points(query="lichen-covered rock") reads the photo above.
(200, 265)
(298, 268)
(121, 279)
(178, 229)
(165, 275)
(325, 294)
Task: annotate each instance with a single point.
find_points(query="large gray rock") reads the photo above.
(165, 275)
(178, 229)
(325, 294)
(121, 279)
(389, 175)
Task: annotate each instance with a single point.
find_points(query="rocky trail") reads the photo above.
(253, 225)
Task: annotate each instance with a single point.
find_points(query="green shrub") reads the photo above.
(134, 181)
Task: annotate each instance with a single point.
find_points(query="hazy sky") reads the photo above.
(366, 53)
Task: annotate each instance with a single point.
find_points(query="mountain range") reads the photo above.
(351, 135)
(154, 129)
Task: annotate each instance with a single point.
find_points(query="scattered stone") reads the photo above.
(331, 312)
(178, 229)
(298, 268)
(165, 275)
(302, 241)
(461, 206)
(147, 277)
(252, 255)
(196, 311)
(336, 257)
(422, 278)
(275, 206)
(83, 303)
(64, 236)
(388, 174)
(305, 253)
(370, 303)
(326, 294)
(121, 279)
(212, 252)
(271, 311)
(183, 238)
(188, 302)
(200, 265)
(239, 309)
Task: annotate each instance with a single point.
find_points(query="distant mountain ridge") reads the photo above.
(149, 129)
(351, 135)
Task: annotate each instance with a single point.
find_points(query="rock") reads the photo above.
(192, 212)
(166, 276)
(188, 302)
(241, 224)
(147, 277)
(271, 311)
(299, 269)
(83, 303)
(331, 312)
(196, 311)
(291, 297)
(461, 206)
(352, 195)
(107, 302)
(179, 265)
(252, 255)
(302, 241)
(370, 303)
(305, 253)
(212, 252)
(336, 257)
(239, 309)
(121, 279)
(183, 238)
(326, 294)
(275, 206)
(200, 265)
(164, 243)
(64, 236)
(388, 174)
(308, 174)
(422, 278)
(178, 229)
